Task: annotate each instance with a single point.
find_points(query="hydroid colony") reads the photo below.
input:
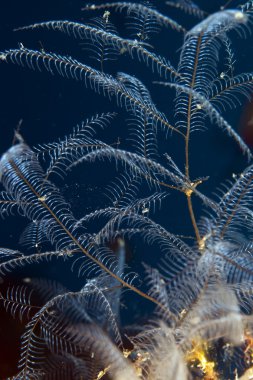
(201, 293)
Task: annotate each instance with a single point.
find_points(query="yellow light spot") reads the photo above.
(188, 192)
(102, 373)
(3, 57)
(202, 242)
(126, 353)
(198, 357)
(42, 199)
(106, 16)
(239, 15)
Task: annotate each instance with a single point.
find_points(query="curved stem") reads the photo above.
(187, 141)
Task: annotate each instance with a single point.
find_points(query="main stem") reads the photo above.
(187, 140)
